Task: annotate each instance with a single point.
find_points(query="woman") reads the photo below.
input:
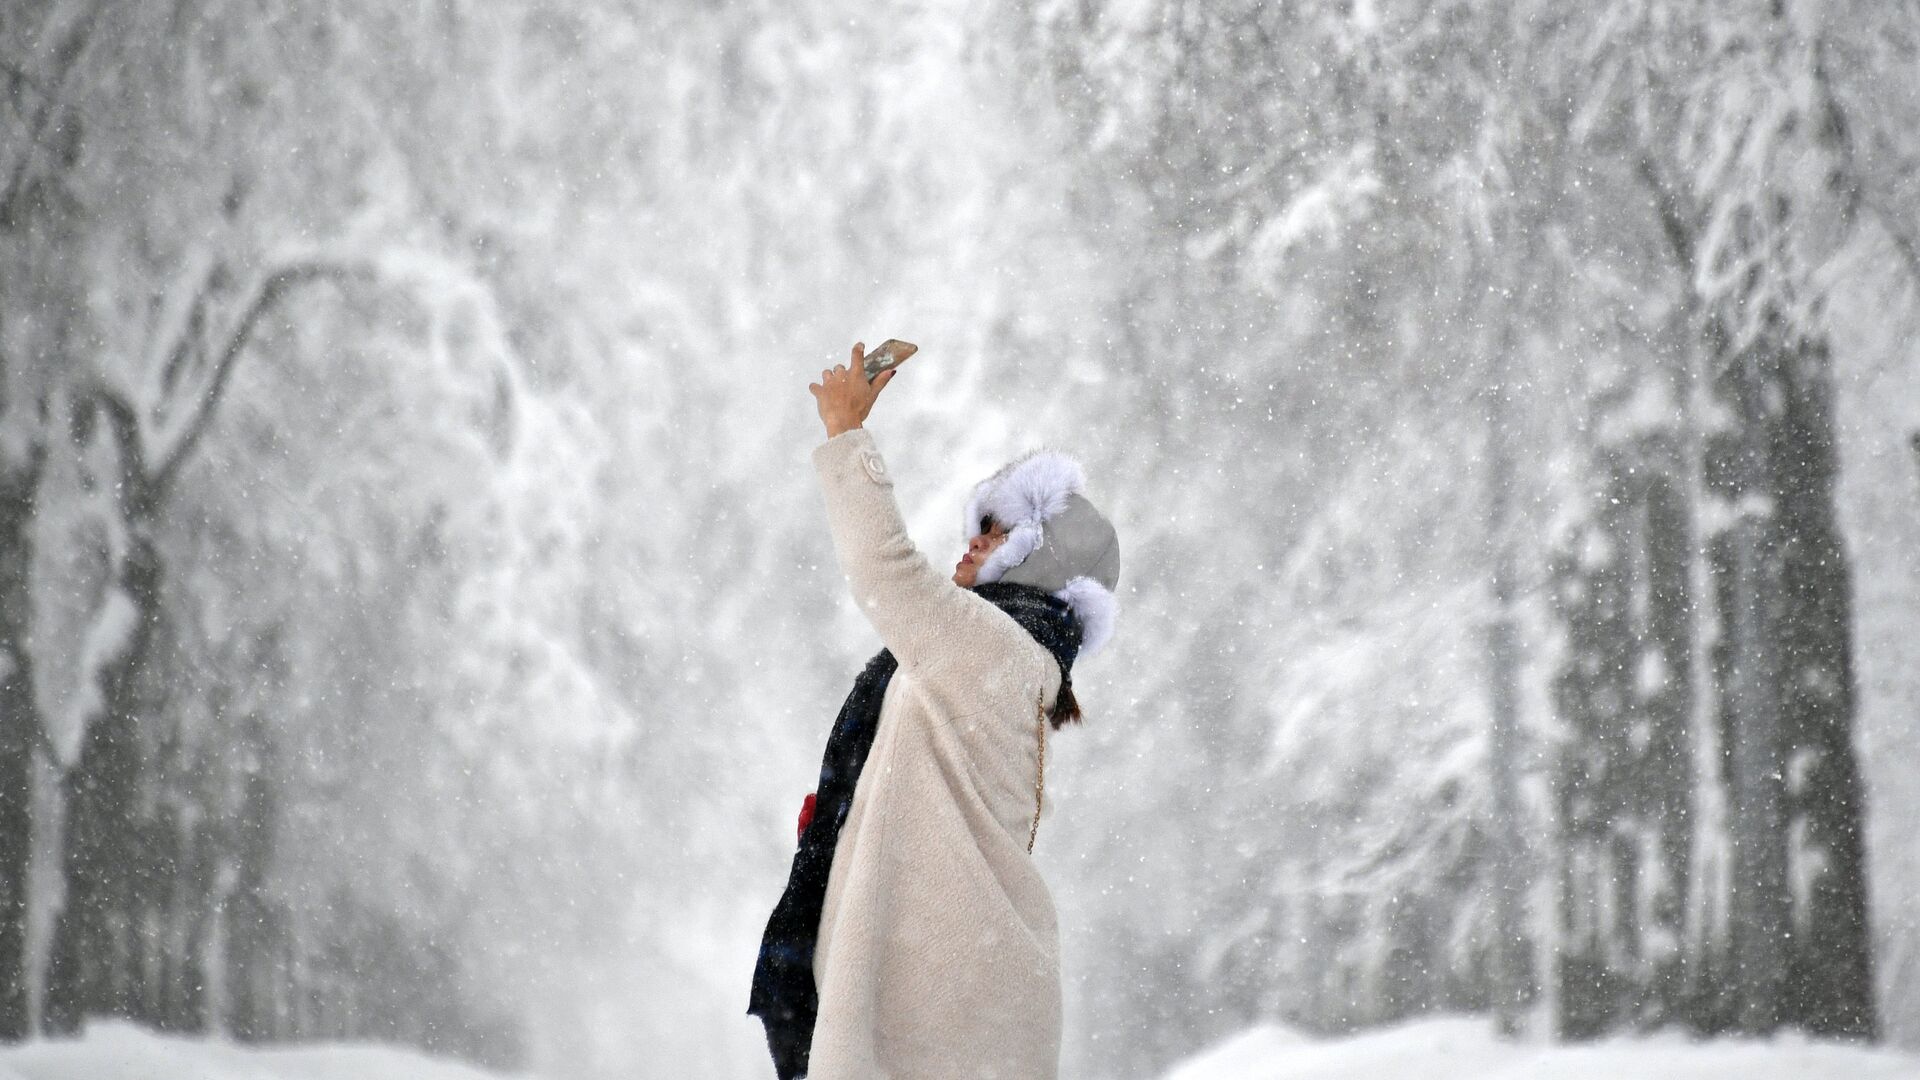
(916, 939)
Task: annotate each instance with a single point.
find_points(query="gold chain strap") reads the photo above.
(1040, 782)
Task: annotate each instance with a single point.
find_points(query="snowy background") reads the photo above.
(420, 625)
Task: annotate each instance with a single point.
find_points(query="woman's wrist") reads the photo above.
(844, 396)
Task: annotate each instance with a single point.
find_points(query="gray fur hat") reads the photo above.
(1056, 539)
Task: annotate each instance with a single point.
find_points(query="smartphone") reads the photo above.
(888, 354)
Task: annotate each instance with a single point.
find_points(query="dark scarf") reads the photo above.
(784, 996)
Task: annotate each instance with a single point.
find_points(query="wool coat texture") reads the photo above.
(938, 951)
(783, 995)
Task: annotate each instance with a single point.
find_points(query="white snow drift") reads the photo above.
(1467, 1048)
(120, 1051)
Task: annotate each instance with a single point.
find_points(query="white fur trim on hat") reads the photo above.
(1028, 491)
(1021, 497)
(1011, 553)
(1096, 609)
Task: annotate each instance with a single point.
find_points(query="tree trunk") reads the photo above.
(111, 866)
(255, 934)
(1626, 691)
(1831, 977)
(1760, 922)
(1511, 985)
(1708, 989)
(20, 735)
(1664, 692)
(1798, 939)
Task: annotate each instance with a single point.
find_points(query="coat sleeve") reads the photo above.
(931, 624)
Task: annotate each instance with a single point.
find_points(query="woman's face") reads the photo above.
(967, 570)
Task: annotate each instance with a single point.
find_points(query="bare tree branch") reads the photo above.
(1903, 241)
(73, 49)
(22, 78)
(271, 289)
(133, 491)
(1673, 223)
(213, 276)
(1837, 130)
(25, 78)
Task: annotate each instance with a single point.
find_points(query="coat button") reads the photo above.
(876, 468)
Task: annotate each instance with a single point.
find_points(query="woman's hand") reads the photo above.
(844, 395)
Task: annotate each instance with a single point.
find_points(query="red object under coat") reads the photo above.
(806, 814)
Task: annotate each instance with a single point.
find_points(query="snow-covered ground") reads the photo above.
(116, 1051)
(1426, 1050)
(1467, 1048)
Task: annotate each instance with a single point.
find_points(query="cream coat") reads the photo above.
(938, 954)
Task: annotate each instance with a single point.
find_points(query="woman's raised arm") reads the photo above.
(923, 617)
